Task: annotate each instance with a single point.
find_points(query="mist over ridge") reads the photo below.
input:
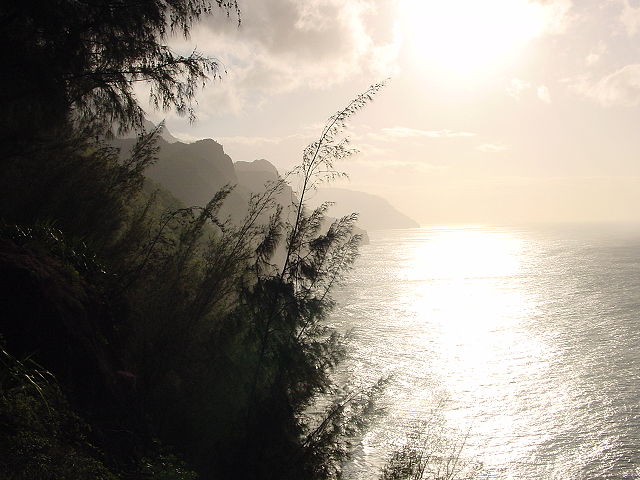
(374, 212)
(194, 171)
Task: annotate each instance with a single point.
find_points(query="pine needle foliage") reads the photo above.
(78, 185)
(432, 452)
(284, 336)
(221, 329)
(83, 57)
(317, 166)
(224, 345)
(232, 347)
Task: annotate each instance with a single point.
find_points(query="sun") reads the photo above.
(468, 36)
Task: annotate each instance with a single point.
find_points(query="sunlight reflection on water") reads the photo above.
(524, 342)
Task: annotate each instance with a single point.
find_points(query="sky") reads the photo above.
(495, 111)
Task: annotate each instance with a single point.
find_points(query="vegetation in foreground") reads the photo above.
(142, 338)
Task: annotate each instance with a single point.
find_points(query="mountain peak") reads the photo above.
(164, 133)
(260, 165)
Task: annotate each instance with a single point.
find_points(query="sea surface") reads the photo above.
(512, 352)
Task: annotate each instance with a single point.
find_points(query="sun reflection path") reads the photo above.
(468, 294)
(457, 309)
(524, 342)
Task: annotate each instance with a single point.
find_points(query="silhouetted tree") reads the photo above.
(287, 343)
(227, 350)
(79, 60)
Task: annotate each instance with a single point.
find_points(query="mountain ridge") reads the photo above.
(193, 172)
(374, 212)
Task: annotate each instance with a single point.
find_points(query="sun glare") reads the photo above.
(469, 36)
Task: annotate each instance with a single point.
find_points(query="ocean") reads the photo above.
(512, 353)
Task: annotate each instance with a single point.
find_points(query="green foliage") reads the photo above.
(41, 437)
(81, 187)
(47, 238)
(230, 347)
(285, 339)
(44, 439)
(167, 467)
(330, 438)
(218, 338)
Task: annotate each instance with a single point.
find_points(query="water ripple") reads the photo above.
(524, 342)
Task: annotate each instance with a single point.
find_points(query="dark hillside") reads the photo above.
(143, 336)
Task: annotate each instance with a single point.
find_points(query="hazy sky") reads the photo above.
(497, 111)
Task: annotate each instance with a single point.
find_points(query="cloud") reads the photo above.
(596, 54)
(621, 87)
(516, 87)
(630, 18)
(282, 45)
(385, 162)
(369, 150)
(556, 15)
(543, 94)
(186, 137)
(242, 140)
(406, 132)
(559, 15)
(492, 148)
(592, 59)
